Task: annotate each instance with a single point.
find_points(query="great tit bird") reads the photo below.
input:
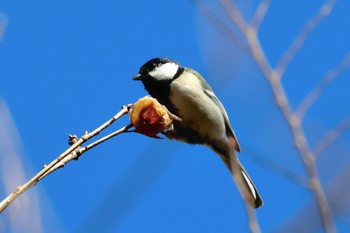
(186, 94)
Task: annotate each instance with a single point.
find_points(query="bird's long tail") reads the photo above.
(243, 181)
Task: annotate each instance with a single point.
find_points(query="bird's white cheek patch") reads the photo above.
(165, 71)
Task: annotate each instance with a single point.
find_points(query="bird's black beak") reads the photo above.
(137, 77)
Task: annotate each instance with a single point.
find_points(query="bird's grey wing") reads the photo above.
(229, 130)
(210, 93)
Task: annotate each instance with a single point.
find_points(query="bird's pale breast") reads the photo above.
(196, 109)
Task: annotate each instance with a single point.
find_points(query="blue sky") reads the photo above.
(66, 67)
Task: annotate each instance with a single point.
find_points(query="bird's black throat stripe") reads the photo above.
(161, 89)
(180, 70)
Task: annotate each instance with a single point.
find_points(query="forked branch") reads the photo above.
(273, 78)
(73, 152)
(148, 117)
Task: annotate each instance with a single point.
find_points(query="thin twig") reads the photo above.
(315, 93)
(251, 34)
(221, 26)
(69, 153)
(105, 138)
(275, 167)
(300, 39)
(234, 14)
(81, 150)
(331, 137)
(260, 14)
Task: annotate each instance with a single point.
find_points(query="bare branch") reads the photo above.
(253, 224)
(327, 79)
(275, 167)
(293, 122)
(221, 26)
(300, 141)
(66, 156)
(299, 41)
(252, 38)
(331, 137)
(234, 14)
(260, 14)
(80, 150)
(156, 121)
(105, 138)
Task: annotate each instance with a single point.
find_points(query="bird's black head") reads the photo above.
(159, 69)
(157, 75)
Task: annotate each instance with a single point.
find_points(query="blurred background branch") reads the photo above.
(273, 76)
(3, 24)
(260, 14)
(221, 26)
(278, 169)
(26, 215)
(320, 87)
(330, 137)
(300, 39)
(274, 79)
